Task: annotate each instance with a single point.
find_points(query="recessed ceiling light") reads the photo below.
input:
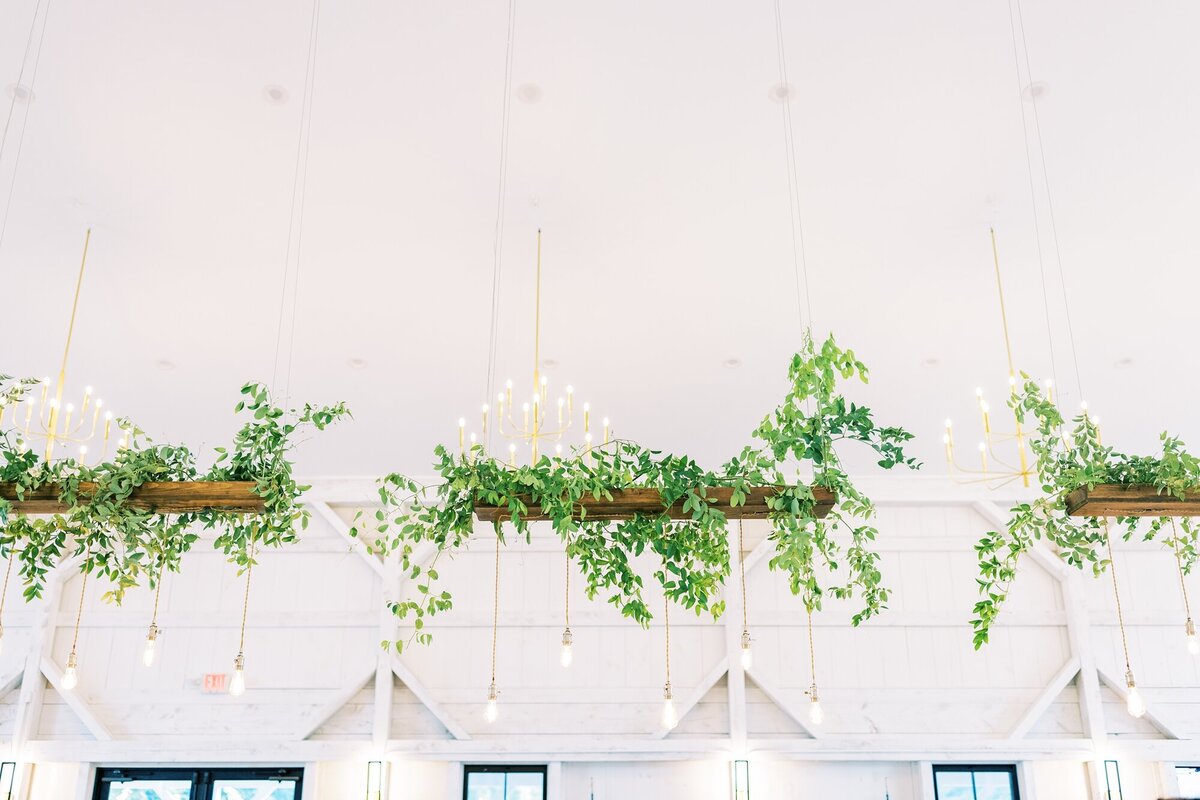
(780, 93)
(732, 363)
(20, 93)
(931, 362)
(275, 95)
(164, 365)
(1036, 90)
(529, 93)
(1123, 363)
(356, 363)
(549, 364)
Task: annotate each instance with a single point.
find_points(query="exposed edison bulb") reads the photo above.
(70, 678)
(567, 655)
(669, 718)
(151, 641)
(816, 715)
(1134, 703)
(492, 710)
(237, 685)
(1193, 644)
(747, 653)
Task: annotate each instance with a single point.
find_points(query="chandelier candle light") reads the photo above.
(535, 423)
(993, 468)
(61, 424)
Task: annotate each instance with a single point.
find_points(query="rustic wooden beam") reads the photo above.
(626, 503)
(170, 497)
(1130, 500)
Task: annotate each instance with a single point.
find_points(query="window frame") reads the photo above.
(1009, 769)
(506, 769)
(202, 778)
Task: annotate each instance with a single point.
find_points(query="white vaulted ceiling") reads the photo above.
(653, 159)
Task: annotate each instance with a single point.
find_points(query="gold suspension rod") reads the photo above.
(62, 371)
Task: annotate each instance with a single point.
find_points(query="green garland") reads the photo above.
(123, 543)
(693, 554)
(1067, 460)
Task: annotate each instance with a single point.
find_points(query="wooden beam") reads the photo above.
(1130, 500)
(1119, 689)
(775, 697)
(407, 677)
(626, 503)
(697, 694)
(340, 527)
(170, 497)
(1045, 697)
(326, 712)
(76, 703)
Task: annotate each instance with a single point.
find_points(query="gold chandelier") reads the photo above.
(1003, 454)
(62, 425)
(534, 423)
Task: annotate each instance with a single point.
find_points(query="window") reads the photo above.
(504, 782)
(198, 784)
(1189, 781)
(975, 782)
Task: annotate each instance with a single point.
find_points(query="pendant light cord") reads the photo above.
(296, 222)
(501, 192)
(1187, 607)
(742, 567)
(246, 603)
(667, 624)
(1112, 568)
(812, 653)
(82, 594)
(567, 591)
(37, 60)
(496, 604)
(157, 593)
(795, 216)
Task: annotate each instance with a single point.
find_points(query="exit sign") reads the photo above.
(214, 683)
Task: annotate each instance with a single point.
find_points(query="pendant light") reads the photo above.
(491, 711)
(816, 715)
(670, 717)
(148, 652)
(1134, 703)
(567, 656)
(1189, 627)
(747, 653)
(70, 676)
(237, 684)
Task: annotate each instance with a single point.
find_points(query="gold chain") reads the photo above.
(496, 604)
(1178, 563)
(742, 566)
(1112, 568)
(246, 602)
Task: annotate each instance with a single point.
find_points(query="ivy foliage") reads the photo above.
(822, 557)
(1069, 457)
(126, 544)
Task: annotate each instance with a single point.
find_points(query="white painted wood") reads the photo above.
(923, 780)
(415, 686)
(1026, 783)
(697, 694)
(554, 782)
(72, 698)
(734, 605)
(339, 526)
(1047, 696)
(1152, 715)
(796, 716)
(324, 713)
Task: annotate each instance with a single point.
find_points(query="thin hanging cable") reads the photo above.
(812, 653)
(1187, 607)
(79, 613)
(1037, 226)
(1037, 125)
(667, 626)
(1112, 568)
(37, 10)
(245, 604)
(37, 60)
(299, 184)
(566, 592)
(795, 216)
(157, 593)
(496, 605)
(501, 191)
(742, 567)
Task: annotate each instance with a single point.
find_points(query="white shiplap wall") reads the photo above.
(903, 689)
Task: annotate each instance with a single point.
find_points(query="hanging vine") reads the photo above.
(125, 543)
(1068, 459)
(803, 431)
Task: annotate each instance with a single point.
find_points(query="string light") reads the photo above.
(1189, 628)
(492, 711)
(1133, 699)
(567, 656)
(669, 716)
(747, 653)
(70, 677)
(816, 715)
(237, 684)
